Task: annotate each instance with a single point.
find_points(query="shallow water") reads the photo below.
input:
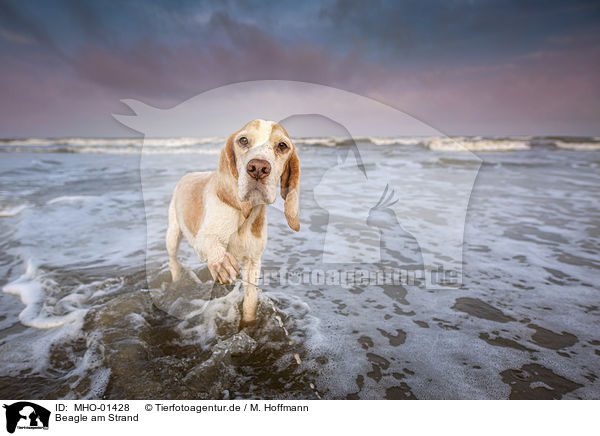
(88, 310)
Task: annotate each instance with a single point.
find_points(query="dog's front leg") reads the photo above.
(222, 265)
(250, 275)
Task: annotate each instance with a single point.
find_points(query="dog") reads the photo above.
(223, 214)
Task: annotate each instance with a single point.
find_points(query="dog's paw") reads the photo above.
(225, 270)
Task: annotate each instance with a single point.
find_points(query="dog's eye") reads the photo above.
(282, 146)
(243, 141)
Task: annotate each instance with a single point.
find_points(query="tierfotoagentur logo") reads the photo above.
(24, 415)
(376, 222)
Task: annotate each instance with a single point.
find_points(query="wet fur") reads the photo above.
(207, 209)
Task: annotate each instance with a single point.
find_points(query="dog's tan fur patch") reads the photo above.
(191, 194)
(259, 222)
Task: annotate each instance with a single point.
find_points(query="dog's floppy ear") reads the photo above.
(290, 181)
(227, 161)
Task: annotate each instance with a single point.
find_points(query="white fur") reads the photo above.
(260, 148)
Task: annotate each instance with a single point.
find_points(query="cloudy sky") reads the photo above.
(463, 67)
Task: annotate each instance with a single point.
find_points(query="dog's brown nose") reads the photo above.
(258, 168)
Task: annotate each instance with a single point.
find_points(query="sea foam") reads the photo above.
(578, 146)
(8, 212)
(30, 289)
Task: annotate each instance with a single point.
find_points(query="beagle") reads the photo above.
(223, 214)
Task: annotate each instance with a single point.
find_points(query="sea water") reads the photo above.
(88, 309)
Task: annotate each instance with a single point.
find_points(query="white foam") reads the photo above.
(70, 199)
(30, 289)
(475, 144)
(202, 318)
(112, 142)
(145, 150)
(8, 212)
(330, 142)
(578, 146)
(115, 145)
(197, 145)
(56, 318)
(396, 141)
(212, 151)
(90, 371)
(28, 142)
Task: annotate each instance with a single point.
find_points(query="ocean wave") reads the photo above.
(328, 142)
(336, 141)
(397, 141)
(8, 212)
(578, 146)
(476, 144)
(111, 142)
(114, 145)
(213, 144)
(111, 150)
(70, 199)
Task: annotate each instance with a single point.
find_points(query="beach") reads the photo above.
(88, 310)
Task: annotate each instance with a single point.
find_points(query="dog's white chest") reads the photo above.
(245, 245)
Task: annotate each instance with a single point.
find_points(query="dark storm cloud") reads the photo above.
(16, 21)
(458, 29)
(240, 51)
(89, 22)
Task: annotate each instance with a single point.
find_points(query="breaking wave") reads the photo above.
(578, 146)
(213, 145)
(7, 212)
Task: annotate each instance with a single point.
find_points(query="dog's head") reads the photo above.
(259, 155)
